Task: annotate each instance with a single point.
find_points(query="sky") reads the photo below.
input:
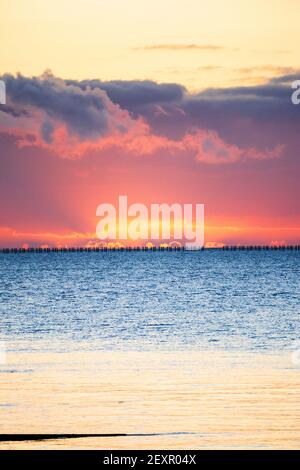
(163, 101)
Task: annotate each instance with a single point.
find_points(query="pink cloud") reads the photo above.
(47, 112)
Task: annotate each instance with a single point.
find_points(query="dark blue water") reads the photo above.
(211, 299)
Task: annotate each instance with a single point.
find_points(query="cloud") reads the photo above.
(142, 98)
(135, 93)
(180, 47)
(72, 118)
(210, 148)
(13, 111)
(274, 69)
(269, 102)
(49, 111)
(286, 79)
(85, 113)
(208, 68)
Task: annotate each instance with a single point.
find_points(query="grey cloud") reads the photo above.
(135, 93)
(14, 111)
(87, 106)
(84, 113)
(287, 79)
(47, 131)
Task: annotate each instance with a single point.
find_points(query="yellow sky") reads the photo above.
(113, 39)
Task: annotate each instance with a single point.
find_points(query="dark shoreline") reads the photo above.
(44, 437)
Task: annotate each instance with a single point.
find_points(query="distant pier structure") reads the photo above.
(261, 247)
(149, 249)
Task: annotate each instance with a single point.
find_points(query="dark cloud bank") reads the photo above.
(89, 108)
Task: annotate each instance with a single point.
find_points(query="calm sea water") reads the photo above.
(175, 350)
(142, 301)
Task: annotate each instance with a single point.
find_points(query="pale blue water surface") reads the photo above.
(142, 301)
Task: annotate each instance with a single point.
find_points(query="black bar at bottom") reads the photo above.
(137, 458)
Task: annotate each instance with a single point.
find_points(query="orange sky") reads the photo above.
(186, 103)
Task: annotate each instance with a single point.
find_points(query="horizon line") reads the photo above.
(295, 247)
